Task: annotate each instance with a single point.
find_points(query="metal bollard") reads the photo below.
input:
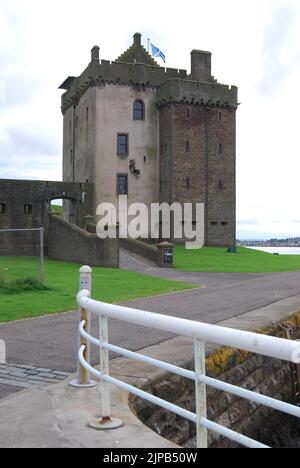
(83, 377)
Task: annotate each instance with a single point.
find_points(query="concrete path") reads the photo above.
(66, 411)
(51, 341)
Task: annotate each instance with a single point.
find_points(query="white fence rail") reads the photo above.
(278, 348)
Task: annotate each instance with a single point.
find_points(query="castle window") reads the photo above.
(214, 223)
(220, 116)
(2, 208)
(139, 110)
(221, 148)
(188, 113)
(28, 210)
(188, 183)
(87, 121)
(187, 147)
(122, 184)
(123, 144)
(221, 185)
(224, 223)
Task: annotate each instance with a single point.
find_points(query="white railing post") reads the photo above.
(83, 377)
(201, 409)
(104, 367)
(2, 352)
(106, 422)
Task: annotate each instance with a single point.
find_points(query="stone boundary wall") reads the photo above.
(70, 243)
(140, 248)
(270, 377)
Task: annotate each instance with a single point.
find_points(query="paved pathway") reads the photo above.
(51, 341)
(14, 378)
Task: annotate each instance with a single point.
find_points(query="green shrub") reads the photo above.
(22, 285)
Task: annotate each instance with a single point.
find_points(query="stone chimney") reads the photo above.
(137, 39)
(95, 57)
(201, 65)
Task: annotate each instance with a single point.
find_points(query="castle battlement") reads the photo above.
(137, 68)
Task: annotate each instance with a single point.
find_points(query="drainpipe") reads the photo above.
(74, 142)
(206, 175)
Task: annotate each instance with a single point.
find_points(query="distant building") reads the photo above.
(158, 135)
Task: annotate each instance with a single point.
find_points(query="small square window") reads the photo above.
(28, 209)
(214, 223)
(123, 144)
(2, 208)
(224, 223)
(122, 184)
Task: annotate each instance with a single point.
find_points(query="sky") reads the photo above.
(255, 46)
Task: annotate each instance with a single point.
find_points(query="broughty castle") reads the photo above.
(157, 135)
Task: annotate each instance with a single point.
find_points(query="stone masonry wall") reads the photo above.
(24, 204)
(197, 165)
(140, 248)
(260, 374)
(70, 243)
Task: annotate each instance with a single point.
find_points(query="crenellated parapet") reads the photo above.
(197, 93)
(135, 67)
(120, 74)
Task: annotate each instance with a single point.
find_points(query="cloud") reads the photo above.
(280, 49)
(250, 221)
(3, 92)
(255, 45)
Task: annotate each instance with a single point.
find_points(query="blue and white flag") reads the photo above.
(156, 52)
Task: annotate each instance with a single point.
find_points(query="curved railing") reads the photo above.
(278, 348)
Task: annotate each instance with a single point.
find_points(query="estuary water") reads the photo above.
(278, 250)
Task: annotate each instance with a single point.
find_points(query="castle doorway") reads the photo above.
(67, 208)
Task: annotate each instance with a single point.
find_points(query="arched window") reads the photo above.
(138, 110)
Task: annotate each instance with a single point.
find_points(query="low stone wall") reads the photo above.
(263, 375)
(70, 243)
(140, 248)
(161, 254)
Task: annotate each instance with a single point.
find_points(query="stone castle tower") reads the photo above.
(158, 135)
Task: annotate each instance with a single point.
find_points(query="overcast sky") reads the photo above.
(255, 45)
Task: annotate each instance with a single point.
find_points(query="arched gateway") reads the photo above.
(25, 204)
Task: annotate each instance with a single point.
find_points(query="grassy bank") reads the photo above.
(211, 259)
(62, 278)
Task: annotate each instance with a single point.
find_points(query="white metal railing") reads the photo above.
(278, 348)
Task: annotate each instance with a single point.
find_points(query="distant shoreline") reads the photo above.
(276, 250)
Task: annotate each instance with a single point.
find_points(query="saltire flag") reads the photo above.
(156, 52)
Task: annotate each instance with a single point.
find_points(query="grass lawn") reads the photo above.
(58, 209)
(212, 259)
(109, 285)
